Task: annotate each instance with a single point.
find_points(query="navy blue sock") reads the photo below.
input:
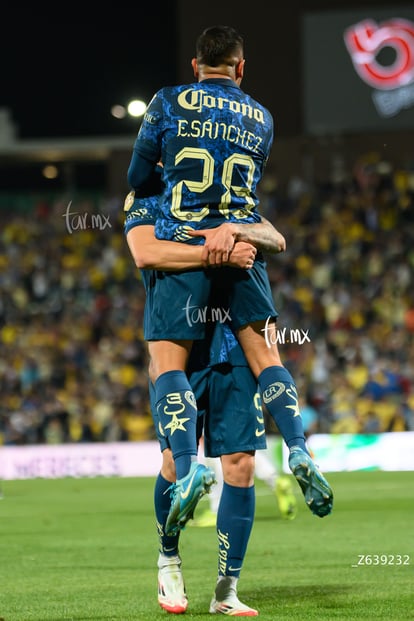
(280, 397)
(234, 524)
(151, 390)
(162, 503)
(177, 411)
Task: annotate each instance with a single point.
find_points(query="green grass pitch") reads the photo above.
(86, 549)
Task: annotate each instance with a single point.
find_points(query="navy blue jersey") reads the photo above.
(214, 141)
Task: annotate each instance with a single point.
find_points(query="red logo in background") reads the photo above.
(365, 41)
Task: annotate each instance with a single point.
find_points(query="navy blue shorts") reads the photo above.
(228, 399)
(179, 304)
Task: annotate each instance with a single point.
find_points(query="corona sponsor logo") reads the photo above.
(197, 99)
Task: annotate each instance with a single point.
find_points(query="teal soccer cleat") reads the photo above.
(316, 489)
(185, 495)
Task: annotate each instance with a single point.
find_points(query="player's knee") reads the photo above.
(238, 469)
(259, 344)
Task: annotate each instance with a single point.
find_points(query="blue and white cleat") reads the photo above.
(316, 489)
(185, 495)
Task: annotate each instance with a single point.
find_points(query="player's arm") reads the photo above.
(141, 174)
(219, 242)
(149, 252)
(263, 235)
(146, 152)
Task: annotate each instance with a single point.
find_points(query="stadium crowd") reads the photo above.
(73, 365)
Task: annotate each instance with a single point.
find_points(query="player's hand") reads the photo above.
(219, 243)
(242, 255)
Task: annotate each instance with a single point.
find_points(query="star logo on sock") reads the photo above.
(173, 408)
(176, 424)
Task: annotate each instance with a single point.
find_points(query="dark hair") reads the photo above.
(219, 45)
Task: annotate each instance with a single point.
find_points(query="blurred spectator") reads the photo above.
(73, 364)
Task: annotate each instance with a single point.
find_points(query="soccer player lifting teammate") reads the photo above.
(214, 141)
(226, 392)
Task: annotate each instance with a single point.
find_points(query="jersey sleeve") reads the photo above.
(140, 211)
(147, 147)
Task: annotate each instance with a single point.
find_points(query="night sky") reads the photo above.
(62, 70)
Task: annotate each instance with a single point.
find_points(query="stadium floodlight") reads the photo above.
(136, 107)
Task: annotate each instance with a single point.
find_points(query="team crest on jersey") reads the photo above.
(129, 200)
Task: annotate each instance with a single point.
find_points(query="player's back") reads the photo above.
(214, 141)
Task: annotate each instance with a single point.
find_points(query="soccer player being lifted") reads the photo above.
(214, 141)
